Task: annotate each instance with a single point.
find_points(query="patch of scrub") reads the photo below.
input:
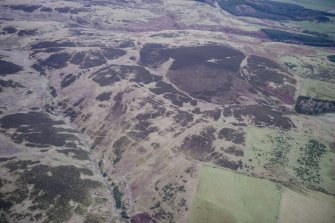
(8, 68)
(269, 78)
(289, 156)
(37, 129)
(55, 191)
(115, 73)
(316, 67)
(331, 58)
(105, 96)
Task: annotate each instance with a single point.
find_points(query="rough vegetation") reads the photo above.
(309, 163)
(53, 189)
(8, 68)
(37, 130)
(155, 111)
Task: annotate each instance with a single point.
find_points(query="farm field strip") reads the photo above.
(243, 198)
(247, 199)
(318, 89)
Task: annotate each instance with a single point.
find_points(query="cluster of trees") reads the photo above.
(312, 106)
(310, 40)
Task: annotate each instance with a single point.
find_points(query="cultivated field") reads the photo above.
(234, 197)
(318, 89)
(306, 206)
(229, 197)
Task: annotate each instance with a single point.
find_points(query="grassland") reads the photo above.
(285, 155)
(316, 67)
(318, 89)
(229, 197)
(234, 198)
(306, 207)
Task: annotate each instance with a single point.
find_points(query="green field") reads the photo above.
(285, 155)
(312, 4)
(224, 196)
(229, 197)
(306, 207)
(318, 89)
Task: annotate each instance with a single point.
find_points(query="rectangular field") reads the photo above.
(318, 89)
(306, 207)
(229, 197)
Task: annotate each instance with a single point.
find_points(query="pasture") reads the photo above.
(232, 197)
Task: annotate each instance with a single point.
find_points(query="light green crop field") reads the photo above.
(292, 155)
(312, 4)
(318, 89)
(225, 196)
(306, 207)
